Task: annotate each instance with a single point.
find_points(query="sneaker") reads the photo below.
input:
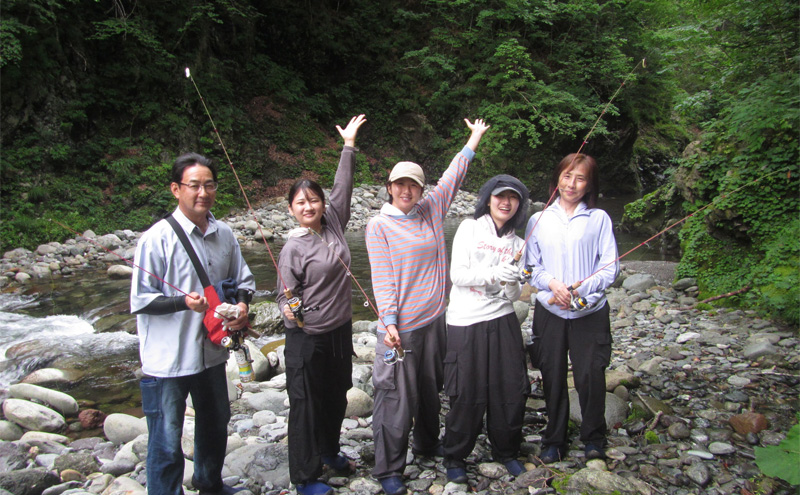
(515, 468)
(393, 485)
(337, 462)
(457, 475)
(592, 451)
(314, 488)
(550, 455)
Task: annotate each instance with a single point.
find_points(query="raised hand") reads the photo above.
(349, 132)
(478, 128)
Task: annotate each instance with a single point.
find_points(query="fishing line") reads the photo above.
(295, 304)
(233, 169)
(642, 63)
(368, 301)
(580, 282)
(134, 265)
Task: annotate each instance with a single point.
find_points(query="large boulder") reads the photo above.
(358, 403)
(616, 409)
(122, 428)
(59, 401)
(33, 416)
(28, 481)
(264, 464)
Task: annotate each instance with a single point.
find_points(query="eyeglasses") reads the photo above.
(195, 187)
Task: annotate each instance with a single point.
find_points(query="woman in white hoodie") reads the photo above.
(485, 370)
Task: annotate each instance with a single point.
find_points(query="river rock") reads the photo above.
(13, 456)
(118, 468)
(91, 418)
(266, 318)
(121, 428)
(38, 437)
(59, 401)
(684, 283)
(119, 271)
(760, 348)
(262, 463)
(28, 481)
(358, 403)
(616, 409)
(82, 462)
(594, 481)
(22, 278)
(639, 282)
(10, 431)
(52, 375)
(124, 486)
(271, 400)
(33, 416)
(748, 422)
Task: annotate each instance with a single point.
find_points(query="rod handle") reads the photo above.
(400, 352)
(296, 306)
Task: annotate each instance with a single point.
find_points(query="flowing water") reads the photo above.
(82, 323)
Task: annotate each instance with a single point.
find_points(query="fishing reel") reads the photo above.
(525, 273)
(578, 303)
(241, 352)
(393, 356)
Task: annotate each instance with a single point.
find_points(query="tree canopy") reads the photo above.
(95, 106)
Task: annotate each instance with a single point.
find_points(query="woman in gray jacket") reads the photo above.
(319, 351)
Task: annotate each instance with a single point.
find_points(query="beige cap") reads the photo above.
(410, 170)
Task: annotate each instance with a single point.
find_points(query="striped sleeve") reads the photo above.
(383, 282)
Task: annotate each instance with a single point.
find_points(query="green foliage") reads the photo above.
(781, 461)
(651, 437)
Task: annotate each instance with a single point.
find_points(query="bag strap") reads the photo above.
(189, 250)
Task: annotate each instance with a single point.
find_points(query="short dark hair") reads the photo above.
(592, 180)
(189, 160)
(305, 185)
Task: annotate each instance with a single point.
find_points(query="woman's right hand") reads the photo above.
(392, 337)
(349, 132)
(287, 312)
(561, 295)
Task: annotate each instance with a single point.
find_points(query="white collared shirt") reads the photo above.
(175, 344)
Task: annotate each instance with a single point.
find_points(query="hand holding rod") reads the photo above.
(571, 288)
(296, 305)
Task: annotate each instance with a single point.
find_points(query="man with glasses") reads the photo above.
(177, 356)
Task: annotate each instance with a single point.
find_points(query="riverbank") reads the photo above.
(56, 259)
(690, 395)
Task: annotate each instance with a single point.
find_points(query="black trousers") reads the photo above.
(319, 371)
(587, 340)
(485, 373)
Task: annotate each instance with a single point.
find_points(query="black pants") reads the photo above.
(319, 371)
(588, 342)
(485, 372)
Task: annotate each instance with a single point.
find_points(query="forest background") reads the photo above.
(96, 106)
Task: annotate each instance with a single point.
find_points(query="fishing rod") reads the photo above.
(580, 303)
(295, 304)
(643, 64)
(392, 355)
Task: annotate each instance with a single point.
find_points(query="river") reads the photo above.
(83, 322)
